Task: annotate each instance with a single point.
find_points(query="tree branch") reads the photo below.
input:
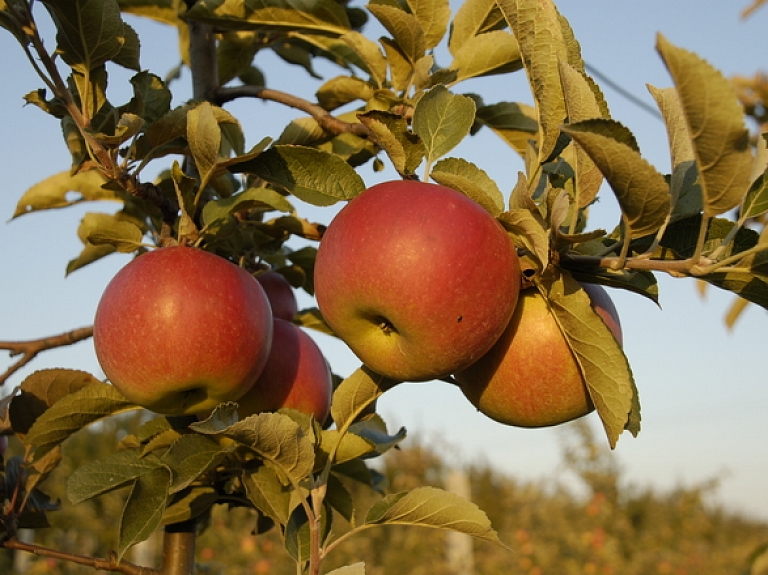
(326, 120)
(29, 349)
(110, 564)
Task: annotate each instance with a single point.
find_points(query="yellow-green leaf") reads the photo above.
(473, 17)
(433, 507)
(369, 52)
(433, 16)
(470, 180)
(642, 192)
(716, 124)
(536, 25)
(404, 28)
(442, 120)
(495, 52)
(64, 189)
(602, 362)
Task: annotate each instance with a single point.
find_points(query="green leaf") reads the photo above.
(41, 390)
(73, 412)
(374, 430)
(404, 148)
(356, 394)
(715, 121)
(189, 504)
(404, 28)
(602, 362)
(473, 17)
(467, 178)
(316, 177)
(94, 222)
(268, 494)
(10, 21)
(319, 16)
(342, 90)
(342, 447)
(642, 192)
(190, 456)
(370, 54)
(298, 539)
(756, 201)
(128, 56)
(88, 33)
(263, 199)
(682, 235)
(401, 69)
(537, 27)
(124, 236)
(432, 507)
(117, 470)
(581, 104)
(312, 318)
(144, 509)
(151, 97)
(276, 438)
(685, 186)
(442, 120)
(495, 52)
(528, 230)
(204, 137)
(515, 123)
(433, 16)
(62, 190)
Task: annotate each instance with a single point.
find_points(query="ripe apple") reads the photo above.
(296, 376)
(179, 330)
(417, 279)
(280, 295)
(530, 377)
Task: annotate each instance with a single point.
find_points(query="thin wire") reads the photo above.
(623, 92)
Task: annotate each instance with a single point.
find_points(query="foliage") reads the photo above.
(599, 524)
(392, 102)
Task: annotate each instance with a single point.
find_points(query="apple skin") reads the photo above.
(417, 279)
(179, 330)
(280, 295)
(530, 377)
(296, 376)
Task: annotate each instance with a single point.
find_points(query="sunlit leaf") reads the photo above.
(442, 120)
(369, 52)
(265, 490)
(356, 394)
(404, 27)
(404, 148)
(495, 52)
(316, 177)
(715, 121)
(602, 362)
(62, 190)
(470, 180)
(318, 16)
(433, 16)
(642, 192)
(432, 507)
(473, 17)
(536, 25)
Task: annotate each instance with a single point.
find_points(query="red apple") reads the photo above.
(296, 376)
(280, 295)
(417, 279)
(179, 330)
(530, 378)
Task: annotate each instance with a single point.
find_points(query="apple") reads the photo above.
(296, 376)
(280, 295)
(530, 378)
(179, 330)
(417, 279)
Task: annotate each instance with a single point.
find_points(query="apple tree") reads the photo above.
(185, 179)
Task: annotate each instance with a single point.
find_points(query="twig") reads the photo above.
(29, 349)
(326, 120)
(110, 564)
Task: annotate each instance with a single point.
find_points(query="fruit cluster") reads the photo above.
(179, 330)
(420, 281)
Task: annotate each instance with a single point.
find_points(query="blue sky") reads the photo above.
(703, 389)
